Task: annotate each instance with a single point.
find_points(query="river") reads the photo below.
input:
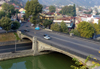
(48, 61)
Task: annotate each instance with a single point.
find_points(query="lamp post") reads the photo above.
(15, 45)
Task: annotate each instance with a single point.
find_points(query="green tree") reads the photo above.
(85, 29)
(47, 23)
(15, 25)
(97, 27)
(81, 65)
(11, 9)
(75, 32)
(17, 11)
(33, 8)
(5, 23)
(88, 12)
(55, 27)
(52, 8)
(5, 7)
(64, 27)
(2, 14)
(8, 15)
(27, 9)
(74, 10)
(8, 8)
(68, 10)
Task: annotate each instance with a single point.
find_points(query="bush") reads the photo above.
(55, 27)
(75, 32)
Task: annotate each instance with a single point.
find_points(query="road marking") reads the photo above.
(59, 45)
(76, 43)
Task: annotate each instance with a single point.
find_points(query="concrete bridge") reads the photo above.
(39, 46)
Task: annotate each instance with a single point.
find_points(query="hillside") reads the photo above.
(66, 2)
(21, 3)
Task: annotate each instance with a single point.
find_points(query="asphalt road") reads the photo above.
(65, 42)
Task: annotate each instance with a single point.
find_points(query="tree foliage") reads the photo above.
(75, 32)
(15, 25)
(27, 9)
(2, 14)
(68, 10)
(55, 27)
(33, 8)
(5, 23)
(47, 23)
(8, 8)
(85, 29)
(64, 27)
(97, 27)
(83, 65)
(88, 12)
(52, 8)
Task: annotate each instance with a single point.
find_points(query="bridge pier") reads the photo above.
(35, 46)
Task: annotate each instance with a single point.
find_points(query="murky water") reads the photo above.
(49, 61)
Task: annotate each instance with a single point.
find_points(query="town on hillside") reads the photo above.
(72, 15)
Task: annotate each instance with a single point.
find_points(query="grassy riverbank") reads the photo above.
(7, 37)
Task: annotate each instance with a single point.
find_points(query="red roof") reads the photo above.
(66, 18)
(13, 4)
(49, 13)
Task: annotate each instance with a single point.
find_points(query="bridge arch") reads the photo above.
(50, 51)
(26, 39)
(27, 43)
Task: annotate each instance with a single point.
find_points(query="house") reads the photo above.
(16, 6)
(20, 16)
(0, 8)
(22, 10)
(1, 2)
(68, 20)
(50, 15)
(58, 9)
(95, 18)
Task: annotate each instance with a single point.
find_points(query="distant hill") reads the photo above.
(66, 2)
(21, 3)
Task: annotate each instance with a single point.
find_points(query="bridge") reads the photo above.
(75, 47)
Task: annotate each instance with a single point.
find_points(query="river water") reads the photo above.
(48, 61)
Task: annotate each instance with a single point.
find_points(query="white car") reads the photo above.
(47, 37)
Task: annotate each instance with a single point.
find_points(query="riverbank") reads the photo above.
(4, 37)
(17, 54)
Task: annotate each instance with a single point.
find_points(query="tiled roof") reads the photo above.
(66, 18)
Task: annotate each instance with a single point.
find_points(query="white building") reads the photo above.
(68, 21)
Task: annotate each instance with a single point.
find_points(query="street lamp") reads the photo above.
(15, 45)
